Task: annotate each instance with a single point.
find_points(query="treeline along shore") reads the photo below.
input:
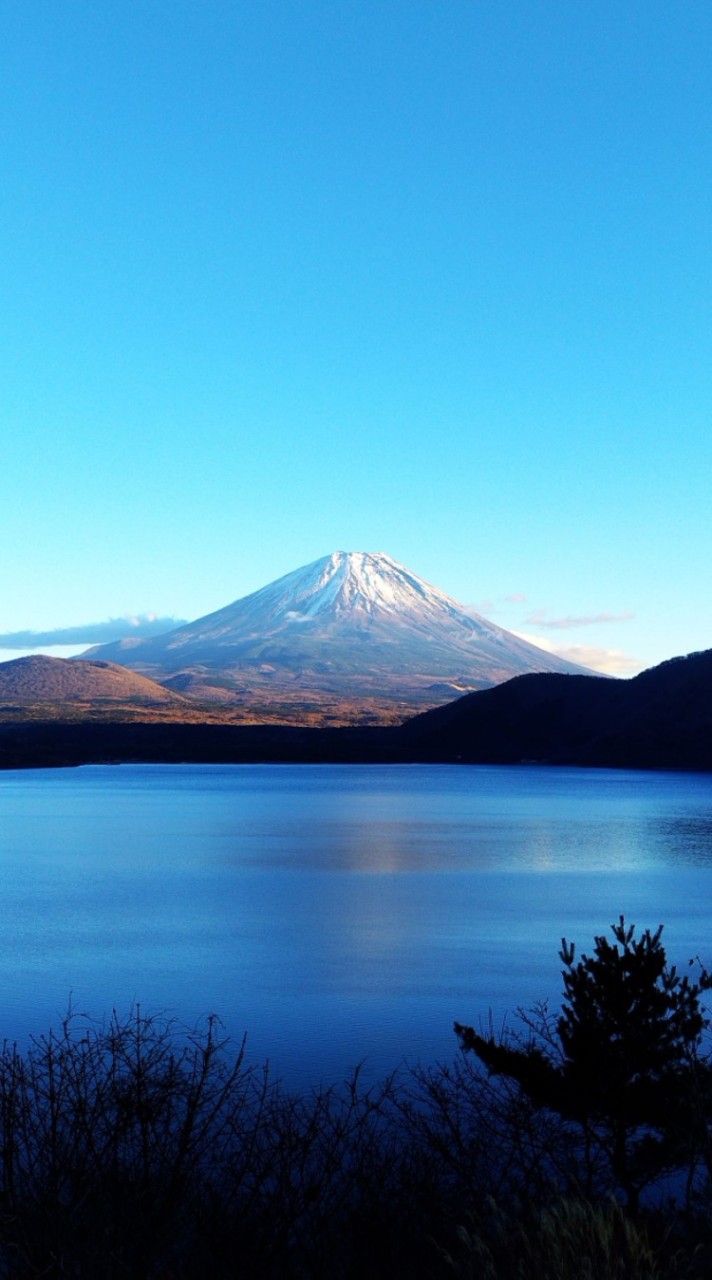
(53, 744)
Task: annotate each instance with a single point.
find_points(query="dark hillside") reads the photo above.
(660, 719)
(533, 717)
(664, 718)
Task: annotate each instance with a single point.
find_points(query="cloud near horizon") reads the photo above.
(146, 624)
(609, 662)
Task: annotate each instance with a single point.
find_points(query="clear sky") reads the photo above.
(430, 277)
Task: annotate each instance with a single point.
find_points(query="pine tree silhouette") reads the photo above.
(624, 1061)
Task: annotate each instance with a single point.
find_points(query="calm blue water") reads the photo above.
(334, 913)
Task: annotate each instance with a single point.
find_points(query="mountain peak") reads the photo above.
(354, 583)
(354, 634)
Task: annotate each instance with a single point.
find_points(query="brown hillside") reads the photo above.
(39, 688)
(57, 680)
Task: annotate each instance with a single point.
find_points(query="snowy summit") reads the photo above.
(355, 627)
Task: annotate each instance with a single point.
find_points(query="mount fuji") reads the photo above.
(352, 637)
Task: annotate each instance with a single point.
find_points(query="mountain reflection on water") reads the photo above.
(336, 913)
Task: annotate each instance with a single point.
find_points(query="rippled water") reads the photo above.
(334, 912)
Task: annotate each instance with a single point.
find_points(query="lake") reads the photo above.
(334, 913)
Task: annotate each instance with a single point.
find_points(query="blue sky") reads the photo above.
(291, 276)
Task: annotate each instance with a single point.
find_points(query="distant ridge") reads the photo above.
(352, 637)
(660, 720)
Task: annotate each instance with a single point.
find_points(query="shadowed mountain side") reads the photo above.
(660, 719)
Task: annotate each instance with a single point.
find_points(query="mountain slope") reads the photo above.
(660, 719)
(57, 686)
(353, 627)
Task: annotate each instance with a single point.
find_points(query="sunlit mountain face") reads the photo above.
(352, 637)
(39, 687)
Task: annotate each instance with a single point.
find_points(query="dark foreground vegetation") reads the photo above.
(578, 1149)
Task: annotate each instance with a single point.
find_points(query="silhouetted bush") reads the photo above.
(622, 1061)
(137, 1149)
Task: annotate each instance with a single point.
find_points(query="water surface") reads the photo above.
(334, 912)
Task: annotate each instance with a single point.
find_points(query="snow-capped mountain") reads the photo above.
(351, 628)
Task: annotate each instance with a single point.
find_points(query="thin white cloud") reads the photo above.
(539, 619)
(483, 608)
(610, 662)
